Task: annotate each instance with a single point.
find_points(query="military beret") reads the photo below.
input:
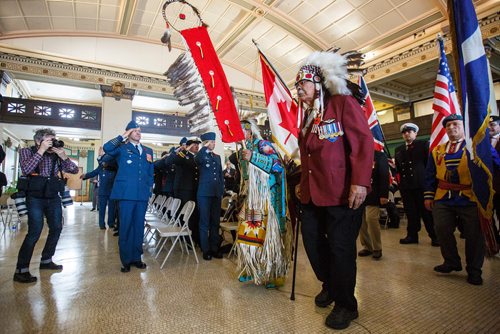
(193, 140)
(408, 126)
(452, 117)
(131, 125)
(183, 141)
(208, 136)
(494, 118)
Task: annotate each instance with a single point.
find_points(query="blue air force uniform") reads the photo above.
(210, 190)
(132, 188)
(106, 172)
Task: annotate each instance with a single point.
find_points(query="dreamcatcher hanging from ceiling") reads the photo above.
(197, 75)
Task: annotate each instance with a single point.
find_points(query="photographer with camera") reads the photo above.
(42, 166)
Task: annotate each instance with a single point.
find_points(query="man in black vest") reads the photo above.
(411, 160)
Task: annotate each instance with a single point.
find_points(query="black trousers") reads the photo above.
(446, 223)
(413, 201)
(329, 235)
(496, 224)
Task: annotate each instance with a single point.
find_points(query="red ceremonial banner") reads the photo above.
(215, 81)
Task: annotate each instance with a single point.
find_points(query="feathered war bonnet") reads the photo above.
(251, 125)
(329, 70)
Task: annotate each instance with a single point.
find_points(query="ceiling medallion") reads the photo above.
(260, 11)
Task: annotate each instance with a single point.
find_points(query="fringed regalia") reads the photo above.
(264, 233)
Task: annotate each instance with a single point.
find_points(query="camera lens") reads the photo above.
(57, 143)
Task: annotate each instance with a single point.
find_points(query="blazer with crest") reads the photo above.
(134, 179)
(331, 165)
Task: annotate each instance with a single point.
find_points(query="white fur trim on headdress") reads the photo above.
(333, 70)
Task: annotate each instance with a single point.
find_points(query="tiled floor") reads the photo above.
(398, 294)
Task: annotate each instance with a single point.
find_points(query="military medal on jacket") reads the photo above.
(331, 130)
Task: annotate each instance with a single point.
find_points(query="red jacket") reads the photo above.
(330, 168)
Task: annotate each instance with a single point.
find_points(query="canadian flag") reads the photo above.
(282, 111)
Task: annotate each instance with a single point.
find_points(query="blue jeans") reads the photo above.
(37, 209)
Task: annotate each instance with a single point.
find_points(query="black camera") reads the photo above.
(57, 143)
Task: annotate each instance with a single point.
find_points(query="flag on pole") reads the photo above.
(445, 99)
(371, 117)
(282, 111)
(475, 98)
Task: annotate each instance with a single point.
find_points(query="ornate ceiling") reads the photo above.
(397, 36)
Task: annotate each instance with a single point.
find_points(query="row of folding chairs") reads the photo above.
(163, 223)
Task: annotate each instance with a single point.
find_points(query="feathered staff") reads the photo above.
(198, 77)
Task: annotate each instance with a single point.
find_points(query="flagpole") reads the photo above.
(297, 223)
(272, 67)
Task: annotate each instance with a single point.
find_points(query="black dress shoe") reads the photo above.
(125, 269)
(116, 234)
(51, 266)
(446, 268)
(475, 279)
(92, 209)
(24, 278)
(207, 256)
(323, 298)
(364, 252)
(217, 255)
(140, 265)
(377, 254)
(340, 318)
(408, 240)
(434, 243)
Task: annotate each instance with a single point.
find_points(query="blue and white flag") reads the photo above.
(475, 96)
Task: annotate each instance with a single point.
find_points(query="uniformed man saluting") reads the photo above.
(186, 180)
(132, 188)
(411, 160)
(210, 190)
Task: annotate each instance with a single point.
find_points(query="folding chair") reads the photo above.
(151, 200)
(177, 230)
(229, 223)
(157, 207)
(156, 203)
(168, 218)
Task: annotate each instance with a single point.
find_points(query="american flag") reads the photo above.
(445, 100)
(371, 117)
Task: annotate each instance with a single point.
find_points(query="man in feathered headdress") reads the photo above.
(336, 149)
(264, 234)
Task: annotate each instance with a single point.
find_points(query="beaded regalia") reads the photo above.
(264, 233)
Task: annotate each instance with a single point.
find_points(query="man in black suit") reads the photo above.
(411, 160)
(186, 180)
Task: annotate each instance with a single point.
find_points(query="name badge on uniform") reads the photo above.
(331, 130)
(149, 158)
